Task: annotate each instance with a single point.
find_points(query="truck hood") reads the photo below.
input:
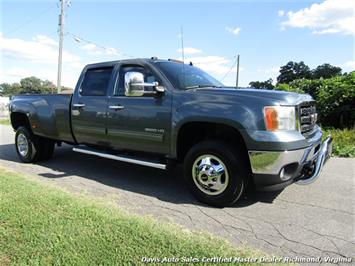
(282, 97)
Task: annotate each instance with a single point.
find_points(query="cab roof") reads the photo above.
(132, 61)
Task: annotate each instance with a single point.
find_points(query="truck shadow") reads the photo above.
(167, 186)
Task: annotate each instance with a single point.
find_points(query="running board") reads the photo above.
(121, 158)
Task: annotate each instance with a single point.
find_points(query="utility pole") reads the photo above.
(60, 55)
(237, 77)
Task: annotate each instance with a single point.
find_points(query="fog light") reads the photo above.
(289, 171)
(282, 174)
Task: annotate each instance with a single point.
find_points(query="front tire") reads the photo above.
(215, 173)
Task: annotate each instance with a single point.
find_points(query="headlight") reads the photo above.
(280, 118)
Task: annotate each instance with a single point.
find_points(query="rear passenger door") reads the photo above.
(89, 106)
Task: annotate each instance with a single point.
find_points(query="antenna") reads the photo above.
(183, 54)
(182, 44)
(237, 77)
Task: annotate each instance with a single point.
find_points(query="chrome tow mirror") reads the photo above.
(134, 85)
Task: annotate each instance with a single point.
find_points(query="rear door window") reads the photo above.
(96, 81)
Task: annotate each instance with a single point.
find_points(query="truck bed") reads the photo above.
(49, 114)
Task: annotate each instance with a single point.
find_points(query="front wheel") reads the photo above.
(215, 173)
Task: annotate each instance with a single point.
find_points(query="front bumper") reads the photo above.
(277, 169)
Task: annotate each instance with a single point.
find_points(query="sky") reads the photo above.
(266, 34)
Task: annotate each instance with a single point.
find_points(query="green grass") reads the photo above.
(343, 141)
(40, 225)
(4, 121)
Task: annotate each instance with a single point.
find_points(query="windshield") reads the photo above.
(186, 77)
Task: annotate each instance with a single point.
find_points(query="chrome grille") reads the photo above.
(307, 116)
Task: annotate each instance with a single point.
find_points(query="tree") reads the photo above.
(48, 87)
(293, 70)
(326, 71)
(4, 88)
(29, 85)
(36, 85)
(15, 88)
(10, 89)
(267, 84)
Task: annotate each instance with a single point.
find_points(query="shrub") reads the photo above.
(287, 87)
(343, 141)
(336, 101)
(308, 86)
(335, 98)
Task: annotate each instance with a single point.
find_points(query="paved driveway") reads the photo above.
(314, 220)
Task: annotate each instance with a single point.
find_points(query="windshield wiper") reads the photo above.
(200, 86)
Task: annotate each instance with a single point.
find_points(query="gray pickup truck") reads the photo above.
(156, 113)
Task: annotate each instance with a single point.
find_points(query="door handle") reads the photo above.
(79, 105)
(116, 107)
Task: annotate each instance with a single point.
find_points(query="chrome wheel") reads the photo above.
(210, 174)
(22, 145)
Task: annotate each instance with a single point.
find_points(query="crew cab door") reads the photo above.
(89, 106)
(139, 123)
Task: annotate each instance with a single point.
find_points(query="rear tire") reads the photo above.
(27, 145)
(47, 149)
(31, 148)
(215, 173)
